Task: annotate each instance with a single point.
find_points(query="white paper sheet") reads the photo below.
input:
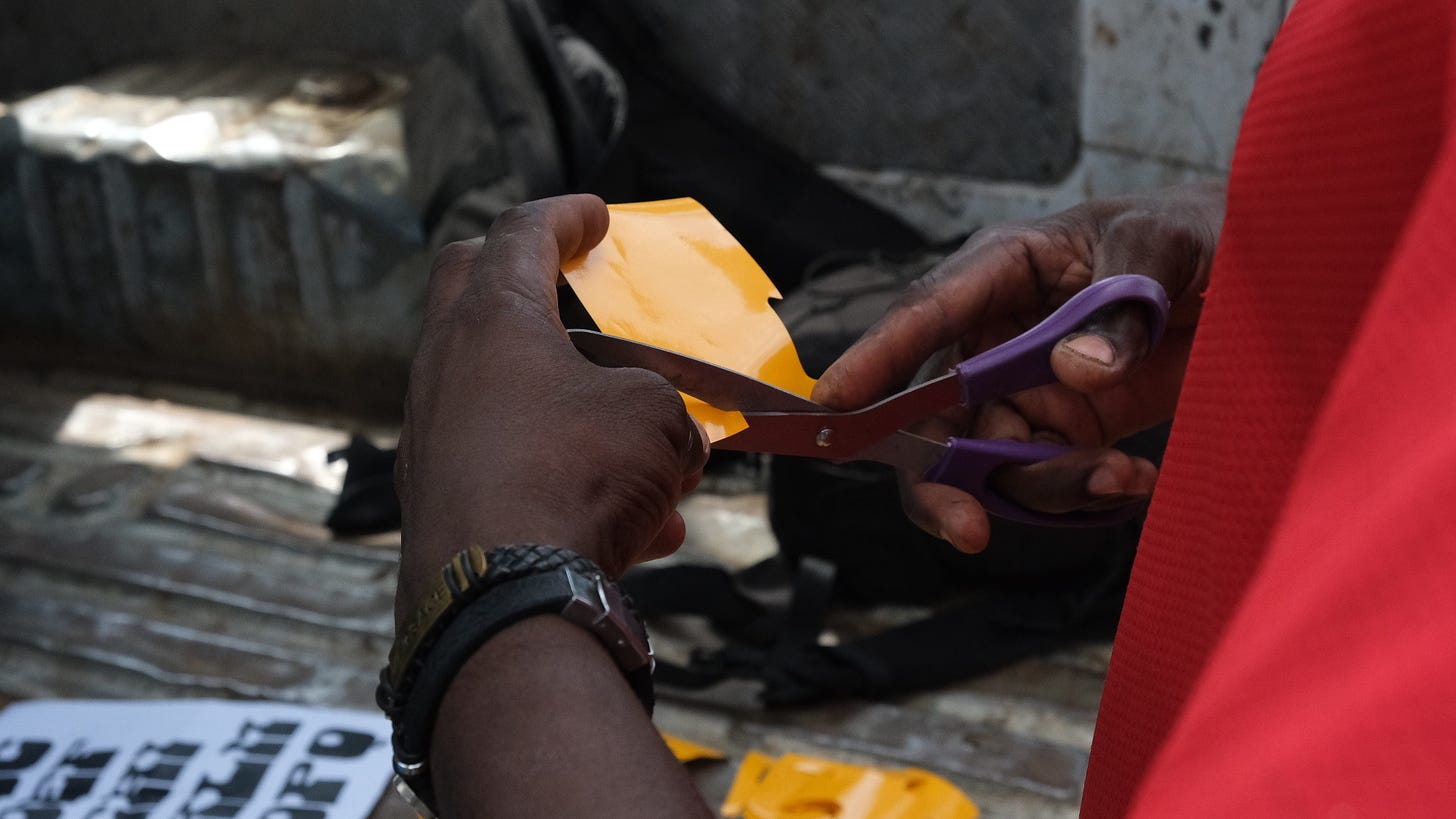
(84, 759)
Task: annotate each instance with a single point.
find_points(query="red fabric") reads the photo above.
(1287, 644)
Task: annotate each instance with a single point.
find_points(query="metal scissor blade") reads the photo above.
(723, 388)
(843, 436)
(803, 435)
(906, 450)
(778, 421)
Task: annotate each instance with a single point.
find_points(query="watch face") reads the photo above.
(598, 607)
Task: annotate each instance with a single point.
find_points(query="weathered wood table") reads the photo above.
(160, 541)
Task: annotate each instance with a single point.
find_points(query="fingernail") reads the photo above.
(704, 439)
(1103, 482)
(1092, 346)
(958, 544)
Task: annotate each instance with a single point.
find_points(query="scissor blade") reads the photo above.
(782, 422)
(723, 388)
(804, 435)
(906, 450)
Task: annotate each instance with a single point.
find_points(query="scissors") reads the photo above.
(783, 423)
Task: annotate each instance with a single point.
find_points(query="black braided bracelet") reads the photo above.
(478, 595)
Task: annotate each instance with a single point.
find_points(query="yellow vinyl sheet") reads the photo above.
(669, 274)
(688, 751)
(795, 786)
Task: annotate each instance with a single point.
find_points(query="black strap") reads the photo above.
(982, 634)
(809, 605)
(506, 605)
(975, 638)
(762, 639)
(704, 591)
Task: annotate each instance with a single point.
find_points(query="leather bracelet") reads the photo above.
(524, 582)
(469, 574)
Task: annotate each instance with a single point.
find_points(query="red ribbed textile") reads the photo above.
(1287, 644)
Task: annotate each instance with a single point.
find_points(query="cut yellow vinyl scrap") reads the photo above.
(688, 751)
(669, 274)
(803, 787)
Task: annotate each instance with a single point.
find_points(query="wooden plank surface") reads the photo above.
(154, 549)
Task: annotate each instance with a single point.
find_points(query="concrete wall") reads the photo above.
(962, 112)
(985, 88)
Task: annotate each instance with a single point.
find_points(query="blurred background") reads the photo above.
(243, 191)
(215, 225)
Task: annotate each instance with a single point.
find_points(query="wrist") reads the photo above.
(428, 546)
(477, 596)
(574, 741)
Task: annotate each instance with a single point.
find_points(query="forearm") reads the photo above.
(541, 723)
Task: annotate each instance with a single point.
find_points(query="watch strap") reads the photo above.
(586, 600)
(469, 574)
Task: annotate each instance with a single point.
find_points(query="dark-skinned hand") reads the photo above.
(1006, 279)
(511, 436)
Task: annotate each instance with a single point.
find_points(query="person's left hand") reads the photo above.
(511, 436)
(1110, 382)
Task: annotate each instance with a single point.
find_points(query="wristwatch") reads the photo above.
(477, 595)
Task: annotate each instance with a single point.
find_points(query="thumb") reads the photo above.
(1102, 352)
(521, 257)
(1109, 346)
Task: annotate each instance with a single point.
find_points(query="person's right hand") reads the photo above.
(1003, 281)
(511, 436)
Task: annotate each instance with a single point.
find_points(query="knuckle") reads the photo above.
(1008, 233)
(451, 270)
(649, 398)
(922, 298)
(456, 258)
(525, 214)
(920, 290)
(1139, 222)
(663, 400)
(927, 288)
(1017, 240)
(650, 386)
(1166, 244)
(1168, 227)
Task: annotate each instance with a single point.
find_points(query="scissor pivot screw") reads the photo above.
(825, 438)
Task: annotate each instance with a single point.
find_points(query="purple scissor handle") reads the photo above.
(787, 424)
(1022, 363)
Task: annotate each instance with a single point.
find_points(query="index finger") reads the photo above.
(997, 274)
